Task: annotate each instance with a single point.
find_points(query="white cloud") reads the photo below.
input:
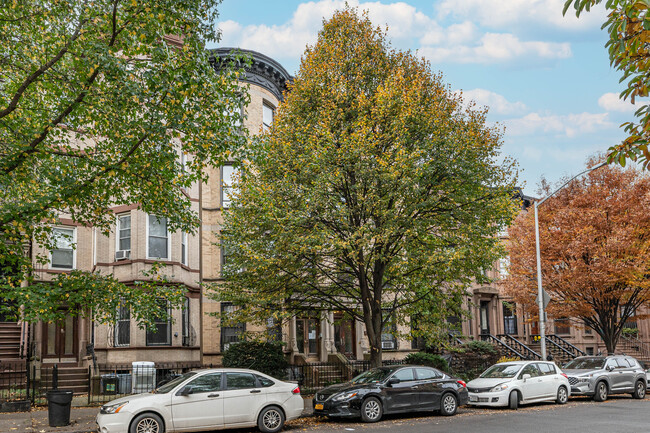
(496, 103)
(521, 13)
(569, 125)
(497, 47)
(612, 102)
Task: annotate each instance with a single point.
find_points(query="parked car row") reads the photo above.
(231, 398)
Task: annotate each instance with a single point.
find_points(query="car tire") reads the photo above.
(601, 391)
(562, 395)
(639, 390)
(147, 422)
(448, 404)
(513, 400)
(371, 410)
(270, 420)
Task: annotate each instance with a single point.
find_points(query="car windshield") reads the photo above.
(501, 371)
(372, 376)
(585, 364)
(164, 389)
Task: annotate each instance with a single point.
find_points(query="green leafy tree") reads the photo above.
(628, 25)
(376, 193)
(97, 104)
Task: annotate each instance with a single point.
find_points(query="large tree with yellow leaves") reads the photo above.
(376, 193)
(97, 104)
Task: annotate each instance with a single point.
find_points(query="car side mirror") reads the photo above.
(186, 390)
(526, 376)
(393, 381)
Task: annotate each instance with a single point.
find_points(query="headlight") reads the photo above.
(583, 379)
(344, 396)
(113, 408)
(499, 388)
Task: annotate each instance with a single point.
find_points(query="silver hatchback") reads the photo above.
(600, 376)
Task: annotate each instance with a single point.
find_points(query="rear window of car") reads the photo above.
(240, 381)
(427, 373)
(547, 369)
(265, 382)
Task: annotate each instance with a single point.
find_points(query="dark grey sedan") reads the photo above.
(600, 376)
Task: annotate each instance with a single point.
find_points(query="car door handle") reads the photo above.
(414, 387)
(213, 395)
(255, 391)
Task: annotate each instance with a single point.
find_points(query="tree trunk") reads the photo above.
(375, 352)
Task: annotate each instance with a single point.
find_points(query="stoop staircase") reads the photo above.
(9, 341)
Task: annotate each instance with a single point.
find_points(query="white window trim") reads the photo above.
(184, 249)
(169, 241)
(223, 192)
(117, 230)
(74, 250)
(266, 127)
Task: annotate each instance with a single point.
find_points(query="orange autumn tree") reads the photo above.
(595, 251)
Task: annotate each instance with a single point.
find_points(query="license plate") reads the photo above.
(473, 398)
(318, 407)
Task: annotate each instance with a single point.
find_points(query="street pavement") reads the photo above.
(618, 414)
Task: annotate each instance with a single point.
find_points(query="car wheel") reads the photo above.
(448, 404)
(371, 410)
(601, 391)
(147, 423)
(639, 390)
(513, 400)
(562, 395)
(271, 420)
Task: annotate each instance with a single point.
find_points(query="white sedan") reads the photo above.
(514, 383)
(206, 400)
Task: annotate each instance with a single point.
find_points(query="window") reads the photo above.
(427, 373)
(230, 334)
(405, 375)
(590, 351)
(530, 369)
(161, 335)
(546, 369)
(240, 381)
(268, 112)
(185, 322)
(509, 319)
(273, 329)
(228, 174)
(388, 339)
(504, 264)
(158, 243)
(562, 326)
(264, 382)
(184, 248)
(124, 232)
(62, 255)
(206, 383)
(123, 326)
(417, 342)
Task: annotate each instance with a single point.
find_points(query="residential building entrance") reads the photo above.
(344, 336)
(307, 336)
(484, 317)
(60, 340)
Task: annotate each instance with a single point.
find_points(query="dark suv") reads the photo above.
(600, 376)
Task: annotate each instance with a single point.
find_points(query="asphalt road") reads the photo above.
(617, 414)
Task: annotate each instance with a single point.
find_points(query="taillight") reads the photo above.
(564, 375)
(462, 383)
(296, 390)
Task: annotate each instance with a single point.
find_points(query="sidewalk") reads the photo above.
(82, 420)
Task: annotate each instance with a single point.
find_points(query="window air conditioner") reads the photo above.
(387, 345)
(122, 254)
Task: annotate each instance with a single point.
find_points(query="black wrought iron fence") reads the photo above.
(14, 383)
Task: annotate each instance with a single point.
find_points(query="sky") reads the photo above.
(545, 77)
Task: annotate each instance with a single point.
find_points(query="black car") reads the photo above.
(394, 389)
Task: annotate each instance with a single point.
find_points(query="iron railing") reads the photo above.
(520, 346)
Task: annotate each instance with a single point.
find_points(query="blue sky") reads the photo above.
(546, 78)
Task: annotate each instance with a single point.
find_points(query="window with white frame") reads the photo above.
(158, 238)
(184, 248)
(62, 255)
(268, 112)
(228, 174)
(161, 334)
(504, 265)
(124, 232)
(185, 323)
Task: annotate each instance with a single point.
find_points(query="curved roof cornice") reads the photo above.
(264, 71)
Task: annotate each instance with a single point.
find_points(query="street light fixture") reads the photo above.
(540, 290)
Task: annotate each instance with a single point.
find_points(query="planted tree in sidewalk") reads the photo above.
(595, 251)
(376, 193)
(98, 103)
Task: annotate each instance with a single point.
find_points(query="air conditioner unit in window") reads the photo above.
(122, 254)
(387, 345)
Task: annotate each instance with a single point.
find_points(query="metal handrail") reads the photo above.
(531, 353)
(501, 343)
(566, 343)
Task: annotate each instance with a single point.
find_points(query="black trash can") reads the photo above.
(58, 407)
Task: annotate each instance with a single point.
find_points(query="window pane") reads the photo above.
(125, 222)
(267, 116)
(157, 226)
(405, 375)
(426, 373)
(159, 336)
(62, 259)
(63, 238)
(125, 243)
(206, 383)
(158, 247)
(240, 381)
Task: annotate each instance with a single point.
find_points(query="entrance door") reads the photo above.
(60, 339)
(307, 331)
(344, 338)
(509, 319)
(484, 317)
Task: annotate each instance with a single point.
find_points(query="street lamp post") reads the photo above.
(540, 290)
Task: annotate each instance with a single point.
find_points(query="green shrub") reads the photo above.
(478, 346)
(264, 356)
(428, 359)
